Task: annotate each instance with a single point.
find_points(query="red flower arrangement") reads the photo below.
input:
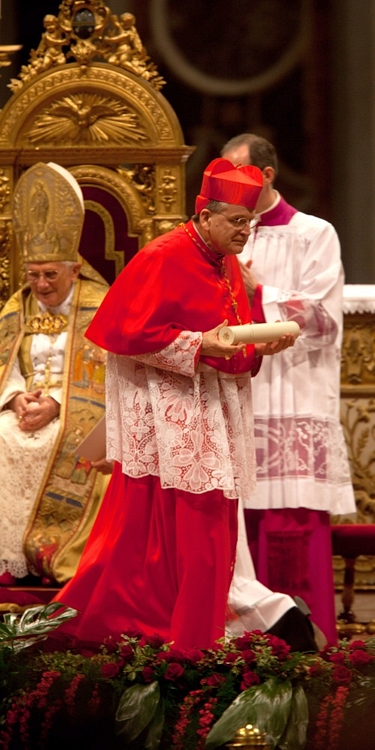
(151, 694)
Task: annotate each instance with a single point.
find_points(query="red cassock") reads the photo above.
(161, 560)
(173, 285)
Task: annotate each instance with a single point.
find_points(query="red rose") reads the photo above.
(148, 674)
(244, 642)
(315, 670)
(126, 652)
(249, 656)
(173, 671)
(110, 670)
(342, 675)
(278, 646)
(337, 657)
(174, 654)
(194, 655)
(214, 680)
(231, 658)
(110, 644)
(356, 644)
(360, 657)
(249, 678)
(155, 641)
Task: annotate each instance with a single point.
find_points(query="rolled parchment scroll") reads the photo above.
(252, 333)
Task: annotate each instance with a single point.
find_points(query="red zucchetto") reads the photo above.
(222, 181)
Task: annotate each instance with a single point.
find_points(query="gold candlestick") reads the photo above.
(247, 737)
(5, 51)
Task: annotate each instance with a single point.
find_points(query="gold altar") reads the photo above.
(358, 414)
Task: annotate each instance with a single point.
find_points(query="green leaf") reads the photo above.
(294, 737)
(34, 624)
(156, 727)
(362, 697)
(136, 709)
(265, 706)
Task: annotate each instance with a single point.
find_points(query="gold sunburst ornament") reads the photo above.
(86, 118)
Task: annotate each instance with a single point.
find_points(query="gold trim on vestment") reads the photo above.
(46, 323)
(69, 491)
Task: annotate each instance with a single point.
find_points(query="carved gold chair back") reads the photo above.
(90, 99)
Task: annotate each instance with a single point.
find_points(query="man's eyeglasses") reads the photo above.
(238, 222)
(34, 276)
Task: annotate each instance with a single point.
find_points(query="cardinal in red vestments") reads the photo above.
(179, 428)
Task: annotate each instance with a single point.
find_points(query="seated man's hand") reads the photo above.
(36, 412)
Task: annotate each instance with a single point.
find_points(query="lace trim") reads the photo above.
(195, 433)
(301, 447)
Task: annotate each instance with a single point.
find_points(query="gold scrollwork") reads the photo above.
(4, 189)
(154, 113)
(358, 359)
(142, 178)
(168, 189)
(84, 31)
(5, 250)
(5, 237)
(147, 226)
(358, 423)
(166, 225)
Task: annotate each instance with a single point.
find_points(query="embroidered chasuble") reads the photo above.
(60, 491)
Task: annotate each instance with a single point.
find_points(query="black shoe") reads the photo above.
(296, 629)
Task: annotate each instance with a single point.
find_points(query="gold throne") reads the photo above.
(89, 99)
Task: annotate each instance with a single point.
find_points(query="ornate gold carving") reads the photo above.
(86, 118)
(358, 351)
(86, 30)
(4, 189)
(109, 252)
(168, 189)
(154, 113)
(5, 249)
(166, 225)
(142, 178)
(5, 237)
(358, 422)
(4, 281)
(148, 230)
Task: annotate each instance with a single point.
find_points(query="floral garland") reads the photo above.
(142, 692)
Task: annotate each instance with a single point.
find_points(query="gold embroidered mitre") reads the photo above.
(48, 213)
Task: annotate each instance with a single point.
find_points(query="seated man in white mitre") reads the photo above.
(51, 386)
